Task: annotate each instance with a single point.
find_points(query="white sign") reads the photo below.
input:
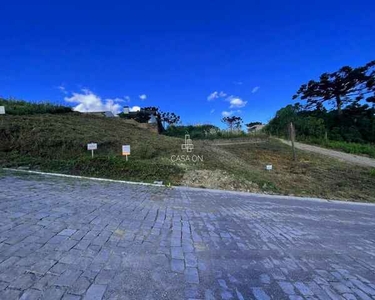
(2, 110)
(269, 167)
(125, 149)
(92, 146)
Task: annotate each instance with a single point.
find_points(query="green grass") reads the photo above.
(353, 148)
(113, 167)
(57, 143)
(310, 175)
(20, 107)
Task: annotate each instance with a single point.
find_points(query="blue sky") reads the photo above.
(174, 54)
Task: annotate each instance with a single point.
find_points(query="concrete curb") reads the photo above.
(273, 196)
(83, 177)
(195, 189)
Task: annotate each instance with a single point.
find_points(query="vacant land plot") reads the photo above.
(242, 167)
(57, 143)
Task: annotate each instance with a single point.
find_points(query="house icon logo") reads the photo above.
(188, 145)
(187, 158)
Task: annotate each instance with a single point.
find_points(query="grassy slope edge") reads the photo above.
(57, 143)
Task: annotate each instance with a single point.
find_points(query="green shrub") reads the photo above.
(201, 132)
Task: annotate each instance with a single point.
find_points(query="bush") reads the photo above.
(356, 124)
(196, 132)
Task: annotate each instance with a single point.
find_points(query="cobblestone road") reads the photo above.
(70, 239)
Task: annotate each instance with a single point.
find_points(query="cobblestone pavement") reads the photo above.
(70, 239)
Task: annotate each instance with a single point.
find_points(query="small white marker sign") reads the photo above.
(269, 167)
(2, 110)
(92, 147)
(126, 151)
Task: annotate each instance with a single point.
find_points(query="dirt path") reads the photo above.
(355, 159)
(352, 158)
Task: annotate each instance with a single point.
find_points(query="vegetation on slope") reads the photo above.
(20, 107)
(205, 131)
(57, 143)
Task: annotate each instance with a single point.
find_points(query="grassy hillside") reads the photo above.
(58, 143)
(20, 107)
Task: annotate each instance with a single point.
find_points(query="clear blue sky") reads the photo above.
(177, 53)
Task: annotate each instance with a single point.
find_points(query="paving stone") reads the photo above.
(304, 290)
(348, 296)
(287, 287)
(24, 281)
(95, 292)
(260, 294)
(296, 297)
(67, 232)
(68, 278)
(80, 286)
(364, 288)
(10, 294)
(74, 240)
(191, 260)
(177, 265)
(191, 275)
(53, 292)
(71, 297)
(57, 239)
(105, 276)
(31, 294)
(177, 253)
(45, 281)
(41, 267)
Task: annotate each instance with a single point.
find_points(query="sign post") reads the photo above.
(92, 147)
(126, 151)
(2, 110)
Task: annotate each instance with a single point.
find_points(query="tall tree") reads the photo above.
(253, 124)
(341, 87)
(169, 118)
(232, 122)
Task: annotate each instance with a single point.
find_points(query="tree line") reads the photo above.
(339, 106)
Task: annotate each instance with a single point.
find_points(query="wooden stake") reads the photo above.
(292, 136)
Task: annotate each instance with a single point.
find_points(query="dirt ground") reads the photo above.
(355, 159)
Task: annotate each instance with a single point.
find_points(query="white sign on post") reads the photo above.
(126, 151)
(92, 147)
(2, 110)
(268, 167)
